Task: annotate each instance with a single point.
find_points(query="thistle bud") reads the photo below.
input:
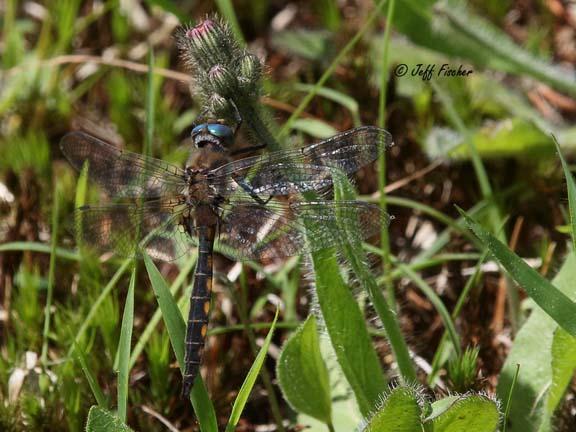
(220, 107)
(250, 72)
(222, 81)
(207, 44)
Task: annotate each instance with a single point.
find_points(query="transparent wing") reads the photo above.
(129, 229)
(253, 231)
(120, 173)
(305, 169)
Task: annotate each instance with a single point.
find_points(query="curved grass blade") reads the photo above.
(176, 330)
(532, 350)
(571, 187)
(124, 348)
(437, 303)
(41, 248)
(80, 357)
(553, 301)
(246, 388)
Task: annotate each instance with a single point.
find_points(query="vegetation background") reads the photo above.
(481, 142)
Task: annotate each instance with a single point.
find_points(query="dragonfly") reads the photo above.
(259, 207)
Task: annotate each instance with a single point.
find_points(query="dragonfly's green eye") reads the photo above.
(219, 130)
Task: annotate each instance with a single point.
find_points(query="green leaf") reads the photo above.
(473, 413)
(512, 137)
(124, 348)
(553, 301)
(563, 365)
(176, 328)
(302, 374)
(314, 128)
(449, 27)
(311, 45)
(250, 380)
(571, 186)
(401, 411)
(101, 420)
(346, 101)
(532, 350)
(347, 331)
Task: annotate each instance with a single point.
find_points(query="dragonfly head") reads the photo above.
(216, 135)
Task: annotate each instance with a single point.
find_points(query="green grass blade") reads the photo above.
(554, 302)
(80, 357)
(99, 301)
(41, 248)
(499, 44)
(150, 104)
(509, 398)
(302, 373)
(246, 388)
(571, 186)
(346, 101)
(177, 330)
(51, 276)
(147, 333)
(384, 234)
(532, 350)
(124, 348)
(330, 70)
(437, 303)
(226, 9)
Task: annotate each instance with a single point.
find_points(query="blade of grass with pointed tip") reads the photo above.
(246, 388)
(330, 70)
(124, 348)
(51, 276)
(302, 373)
(571, 187)
(532, 350)
(151, 325)
(334, 95)
(226, 9)
(437, 303)
(176, 328)
(80, 357)
(101, 298)
(553, 301)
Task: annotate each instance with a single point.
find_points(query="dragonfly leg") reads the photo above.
(250, 190)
